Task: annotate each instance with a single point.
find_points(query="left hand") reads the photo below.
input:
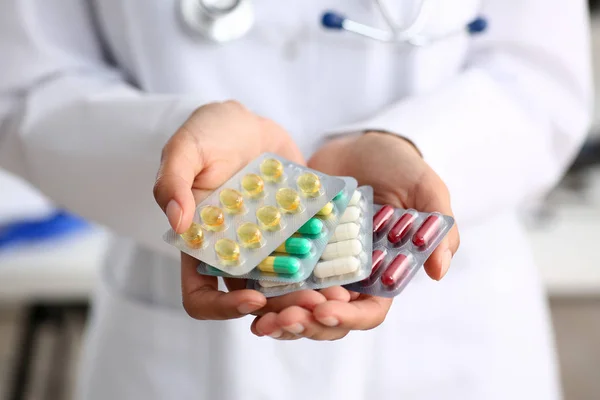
(400, 177)
(215, 142)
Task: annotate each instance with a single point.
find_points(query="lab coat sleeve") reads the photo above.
(503, 130)
(72, 126)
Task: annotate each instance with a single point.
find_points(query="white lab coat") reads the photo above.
(91, 90)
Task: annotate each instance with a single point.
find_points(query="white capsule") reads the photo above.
(345, 232)
(351, 214)
(339, 266)
(346, 248)
(355, 198)
(269, 284)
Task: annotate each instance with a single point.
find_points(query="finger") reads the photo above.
(300, 322)
(182, 159)
(354, 295)
(365, 313)
(203, 300)
(438, 263)
(307, 299)
(336, 293)
(433, 195)
(253, 327)
(267, 326)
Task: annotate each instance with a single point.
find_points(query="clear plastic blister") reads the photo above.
(247, 218)
(272, 289)
(347, 257)
(356, 241)
(301, 252)
(402, 241)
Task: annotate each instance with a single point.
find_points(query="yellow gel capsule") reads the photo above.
(228, 251)
(269, 217)
(249, 235)
(231, 199)
(253, 184)
(325, 211)
(271, 169)
(309, 184)
(193, 237)
(212, 217)
(288, 199)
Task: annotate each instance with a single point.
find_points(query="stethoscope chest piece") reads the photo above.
(217, 20)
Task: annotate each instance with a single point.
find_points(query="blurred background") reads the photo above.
(49, 261)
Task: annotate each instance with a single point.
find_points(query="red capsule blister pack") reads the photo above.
(402, 241)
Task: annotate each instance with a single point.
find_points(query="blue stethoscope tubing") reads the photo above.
(336, 21)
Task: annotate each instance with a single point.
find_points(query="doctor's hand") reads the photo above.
(399, 177)
(216, 141)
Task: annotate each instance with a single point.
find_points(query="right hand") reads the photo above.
(216, 141)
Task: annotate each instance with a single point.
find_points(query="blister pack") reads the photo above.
(295, 259)
(402, 241)
(347, 256)
(246, 219)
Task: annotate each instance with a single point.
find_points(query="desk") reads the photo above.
(567, 250)
(60, 270)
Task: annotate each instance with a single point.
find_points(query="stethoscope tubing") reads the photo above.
(202, 18)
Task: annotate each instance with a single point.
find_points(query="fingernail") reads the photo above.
(174, 214)
(296, 329)
(329, 321)
(446, 260)
(247, 308)
(276, 334)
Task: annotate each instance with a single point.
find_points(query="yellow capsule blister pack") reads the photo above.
(295, 259)
(241, 223)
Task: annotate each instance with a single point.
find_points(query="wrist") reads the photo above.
(390, 135)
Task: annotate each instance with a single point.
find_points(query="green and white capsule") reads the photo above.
(295, 246)
(312, 227)
(339, 196)
(325, 211)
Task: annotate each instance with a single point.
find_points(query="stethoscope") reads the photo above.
(226, 20)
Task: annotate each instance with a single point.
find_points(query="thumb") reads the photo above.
(432, 196)
(181, 161)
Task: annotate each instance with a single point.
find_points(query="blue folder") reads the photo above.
(56, 225)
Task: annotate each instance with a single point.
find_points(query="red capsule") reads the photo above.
(394, 273)
(381, 218)
(401, 227)
(427, 231)
(378, 257)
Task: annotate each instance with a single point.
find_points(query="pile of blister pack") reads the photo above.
(285, 227)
